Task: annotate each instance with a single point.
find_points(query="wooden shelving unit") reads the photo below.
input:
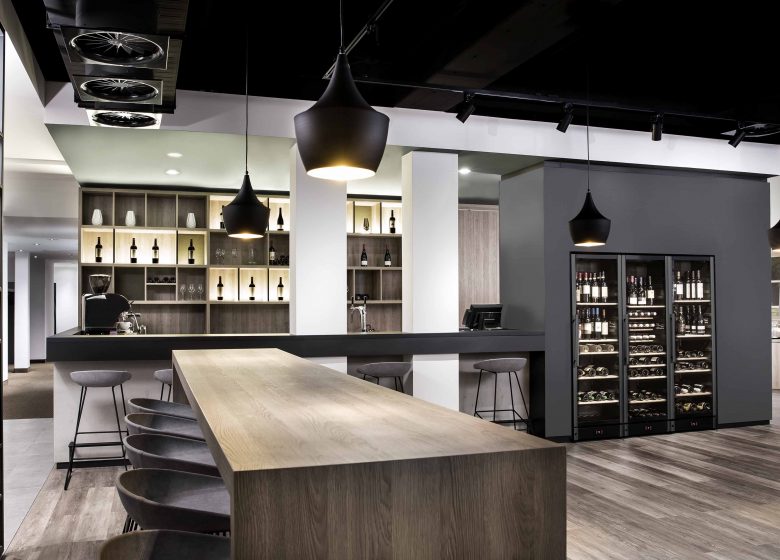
(368, 225)
(155, 289)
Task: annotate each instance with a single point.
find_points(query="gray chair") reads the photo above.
(151, 451)
(379, 370)
(165, 377)
(174, 500)
(165, 545)
(498, 366)
(87, 379)
(153, 406)
(144, 423)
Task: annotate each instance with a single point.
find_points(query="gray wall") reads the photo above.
(37, 309)
(521, 250)
(666, 212)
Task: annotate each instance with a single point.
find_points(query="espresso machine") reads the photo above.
(100, 311)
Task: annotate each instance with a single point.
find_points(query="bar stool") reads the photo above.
(175, 500)
(97, 378)
(153, 406)
(165, 377)
(497, 366)
(142, 423)
(379, 370)
(165, 545)
(151, 451)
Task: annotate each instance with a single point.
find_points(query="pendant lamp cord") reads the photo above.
(341, 27)
(246, 100)
(587, 95)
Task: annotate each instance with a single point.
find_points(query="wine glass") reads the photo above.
(191, 290)
(200, 292)
(234, 254)
(182, 289)
(220, 253)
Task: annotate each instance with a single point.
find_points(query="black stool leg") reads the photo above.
(162, 390)
(495, 393)
(395, 383)
(401, 381)
(522, 396)
(72, 446)
(512, 400)
(118, 425)
(476, 401)
(170, 388)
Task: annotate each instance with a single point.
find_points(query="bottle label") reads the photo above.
(586, 290)
(604, 328)
(699, 290)
(650, 294)
(587, 329)
(679, 289)
(632, 300)
(642, 301)
(604, 291)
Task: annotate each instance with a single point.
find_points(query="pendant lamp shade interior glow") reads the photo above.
(774, 236)
(246, 217)
(589, 228)
(341, 137)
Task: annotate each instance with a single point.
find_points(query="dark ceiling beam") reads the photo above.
(536, 26)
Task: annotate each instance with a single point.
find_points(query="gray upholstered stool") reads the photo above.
(151, 451)
(165, 377)
(175, 500)
(153, 406)
(378, 370)
(497, 366)
(142, 423)
(106, 378)
(165, 545)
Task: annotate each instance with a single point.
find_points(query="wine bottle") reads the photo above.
(687, 287)
(251, 288)
(577, 289)
(155, 253)
(700, 321)
(98, 251)
(191, 253)
(587, 326)
(364, 256)
(579, 324)
(280, 221)
(650, 291)
(280, 290)
(604, 289)
(392, 222)
(632, 295)
(585, 289)
(604, 324)
(133, 252)
(699, 286)
(220, 287)
(679, 321)
(221, 219)
(641, 296)
(678, 286)
(596, 323)
(388, 258)
(271, 254)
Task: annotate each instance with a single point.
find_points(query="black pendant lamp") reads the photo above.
(589, 228)
(341, 137)
(774, 236)
(246, 217)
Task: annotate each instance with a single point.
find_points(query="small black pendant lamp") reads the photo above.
(589, 228)
(774, 236)
(246, 217)
(341, 137)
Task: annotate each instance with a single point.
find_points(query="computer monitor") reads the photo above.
(483, 316)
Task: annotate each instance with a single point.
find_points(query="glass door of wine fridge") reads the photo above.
(646, 343)
(596, 335)
(692, 315)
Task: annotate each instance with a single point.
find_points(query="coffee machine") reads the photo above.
(100, 310)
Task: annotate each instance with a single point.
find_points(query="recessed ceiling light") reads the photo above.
(37, 244)
(20, 251)
(172, 172)
(464, 170)
(35, 256)
(52, 239)
(174, 154)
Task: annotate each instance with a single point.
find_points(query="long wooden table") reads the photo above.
(323, 465)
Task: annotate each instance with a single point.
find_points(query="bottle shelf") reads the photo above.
(597, 340)
(691, 301)
(693, 371)
(379, 301)
(374, 268)
(223, 302)
(388, 235)
(631, 355)
(686, 395)
(170, 302)
(646, 306)
(646, 365)
(587, 403)
(161, 284)
(649, 401)
(695, 359)
(609, 304)
(693, 335)
(592, 377)
(638, 377)
(599, 353)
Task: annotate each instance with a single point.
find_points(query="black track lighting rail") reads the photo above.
(365, 30)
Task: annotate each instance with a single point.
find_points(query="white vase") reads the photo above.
(191, 223)
(97, 217)
(130, 218)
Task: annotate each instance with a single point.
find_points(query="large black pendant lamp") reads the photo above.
(341, 137)
(246, 217)
(589, 228)
(774, 236)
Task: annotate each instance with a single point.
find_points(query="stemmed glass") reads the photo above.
(220, 255)
(234, 255)
(191, 290)
(200, 292)
(182, 289)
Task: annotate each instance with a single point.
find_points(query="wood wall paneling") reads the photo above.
(250, 318)
(124, 201)
(478, 241)
(195, 204)
(161, 210)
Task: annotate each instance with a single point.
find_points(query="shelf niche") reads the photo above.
(124, 202)
(89, 237)
(229, 281)
(196, 205)
(198, 241)
(91, 201)
(144, 240)
(260, 276)
(375, 249)
(161, 210)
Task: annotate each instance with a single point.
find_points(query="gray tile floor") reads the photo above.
(29, 458)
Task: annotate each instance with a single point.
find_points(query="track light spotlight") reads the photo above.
(566, 118)
(658, 127)
(738, 137)
(466, 108)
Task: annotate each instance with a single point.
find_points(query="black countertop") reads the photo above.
(73, 346)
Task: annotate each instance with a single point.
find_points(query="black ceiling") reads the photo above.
(674, 56)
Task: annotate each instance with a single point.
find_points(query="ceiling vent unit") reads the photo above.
(756, 130)
(118, 90)
(123, 119)
(116, 48)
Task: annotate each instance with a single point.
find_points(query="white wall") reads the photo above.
(21, 311)
(65, 275)
(5, 279)
(38, 289)
(774, 200)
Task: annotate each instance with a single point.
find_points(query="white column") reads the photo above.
(5, 312)
(21, 311)
(318, 253)
(430, 267)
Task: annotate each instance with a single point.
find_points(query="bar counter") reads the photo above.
(324, 465)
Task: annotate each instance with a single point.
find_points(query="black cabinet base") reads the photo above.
(648, 428)
(598, 432)
(690, 424)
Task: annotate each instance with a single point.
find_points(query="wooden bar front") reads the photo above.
(323, 465)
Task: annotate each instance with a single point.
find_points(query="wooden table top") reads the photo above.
(267, 409)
